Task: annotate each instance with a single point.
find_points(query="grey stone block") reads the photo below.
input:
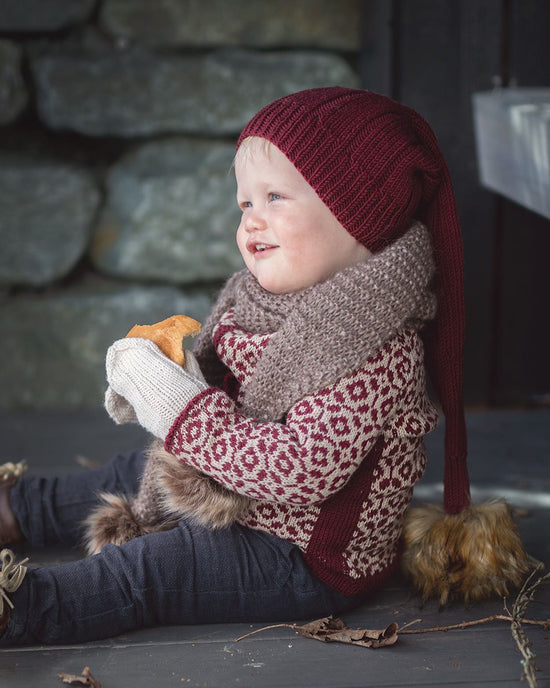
(44, 15)
(136, 92)
(307, 23)
(13, 92)
(170, 214)
(53, 347)
(46, 213)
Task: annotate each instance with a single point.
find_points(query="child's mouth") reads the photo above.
(259, 249)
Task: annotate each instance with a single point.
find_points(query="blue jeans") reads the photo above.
(188, 575)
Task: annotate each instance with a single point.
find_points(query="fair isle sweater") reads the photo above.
(336, 475)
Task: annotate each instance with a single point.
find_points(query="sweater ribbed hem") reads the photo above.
(346, 585)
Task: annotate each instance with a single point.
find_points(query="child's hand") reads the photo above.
(146, 386)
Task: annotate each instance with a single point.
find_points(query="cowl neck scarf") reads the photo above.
(326, 331)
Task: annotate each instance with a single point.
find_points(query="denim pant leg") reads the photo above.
(51, 510)
(188, 575)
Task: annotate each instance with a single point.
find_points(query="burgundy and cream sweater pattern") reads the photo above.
(336, 476)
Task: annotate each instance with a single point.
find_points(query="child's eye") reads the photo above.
(274, 196)
(245, 204)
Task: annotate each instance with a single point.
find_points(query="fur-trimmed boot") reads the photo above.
(119, 518)
(471, 555)
(169, 491)
(10, 532)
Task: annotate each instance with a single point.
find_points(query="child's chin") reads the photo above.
(277, 283)
(275, 286)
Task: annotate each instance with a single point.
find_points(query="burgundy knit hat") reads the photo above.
(378, 167)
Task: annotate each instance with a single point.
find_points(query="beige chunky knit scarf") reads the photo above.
(328, 330)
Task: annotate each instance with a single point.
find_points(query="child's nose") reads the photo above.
(254, 221)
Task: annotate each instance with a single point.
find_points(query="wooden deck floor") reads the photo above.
(509, 453)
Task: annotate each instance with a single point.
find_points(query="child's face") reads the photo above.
(287, 236)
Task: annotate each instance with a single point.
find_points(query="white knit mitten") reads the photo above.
(146, 385)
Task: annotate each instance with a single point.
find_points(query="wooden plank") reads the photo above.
(448, 49)
(529, 43)
(209, 655)
(376, 61)
(523, 371)
(63, 437)
(282, 660)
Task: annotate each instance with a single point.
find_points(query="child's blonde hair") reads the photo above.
(249, 146)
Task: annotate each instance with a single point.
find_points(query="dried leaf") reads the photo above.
(333, 630)
(85, 679)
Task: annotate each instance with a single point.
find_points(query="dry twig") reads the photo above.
(334, 630)
(526, 595)
(544, 623)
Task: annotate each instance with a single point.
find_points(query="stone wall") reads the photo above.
(117, 128)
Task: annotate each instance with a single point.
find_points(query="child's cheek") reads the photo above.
(241, 241)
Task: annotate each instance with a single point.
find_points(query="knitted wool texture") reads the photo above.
(376, 165)
(317, 335)
(325, 331)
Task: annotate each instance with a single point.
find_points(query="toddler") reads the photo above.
(304, 409)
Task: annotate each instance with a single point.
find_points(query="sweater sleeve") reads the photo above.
(314, 453)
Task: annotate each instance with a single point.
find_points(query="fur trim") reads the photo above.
(472, 555)
(169, 490)
(113, 522)
(189, 493)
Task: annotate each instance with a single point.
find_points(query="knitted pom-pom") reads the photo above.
(472, 555)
